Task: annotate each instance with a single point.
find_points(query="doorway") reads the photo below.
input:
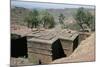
(57, 50)
(18, 46)
(75, 43)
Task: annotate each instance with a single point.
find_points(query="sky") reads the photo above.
(30, 5)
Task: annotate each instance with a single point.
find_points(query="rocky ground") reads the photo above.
(20, 61)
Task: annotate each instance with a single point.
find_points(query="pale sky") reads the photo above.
(32, 4)
(85, 2)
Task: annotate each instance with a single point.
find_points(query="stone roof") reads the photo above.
(49, 36)
(44, 35)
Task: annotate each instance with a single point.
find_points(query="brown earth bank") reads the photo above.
(84, 52)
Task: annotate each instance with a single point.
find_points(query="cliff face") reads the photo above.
(84, 52)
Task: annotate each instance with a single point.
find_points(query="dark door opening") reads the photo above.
(18, 46)
(75, 43)
(57, 50)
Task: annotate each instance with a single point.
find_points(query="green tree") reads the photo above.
(90, 20)
(83, 17)
(33, 19)
(52, 22)
(48, 20)
(93, 23)
(28, 20)
(61, 18)
(80, 17)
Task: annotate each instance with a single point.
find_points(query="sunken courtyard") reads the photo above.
(42, 46)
